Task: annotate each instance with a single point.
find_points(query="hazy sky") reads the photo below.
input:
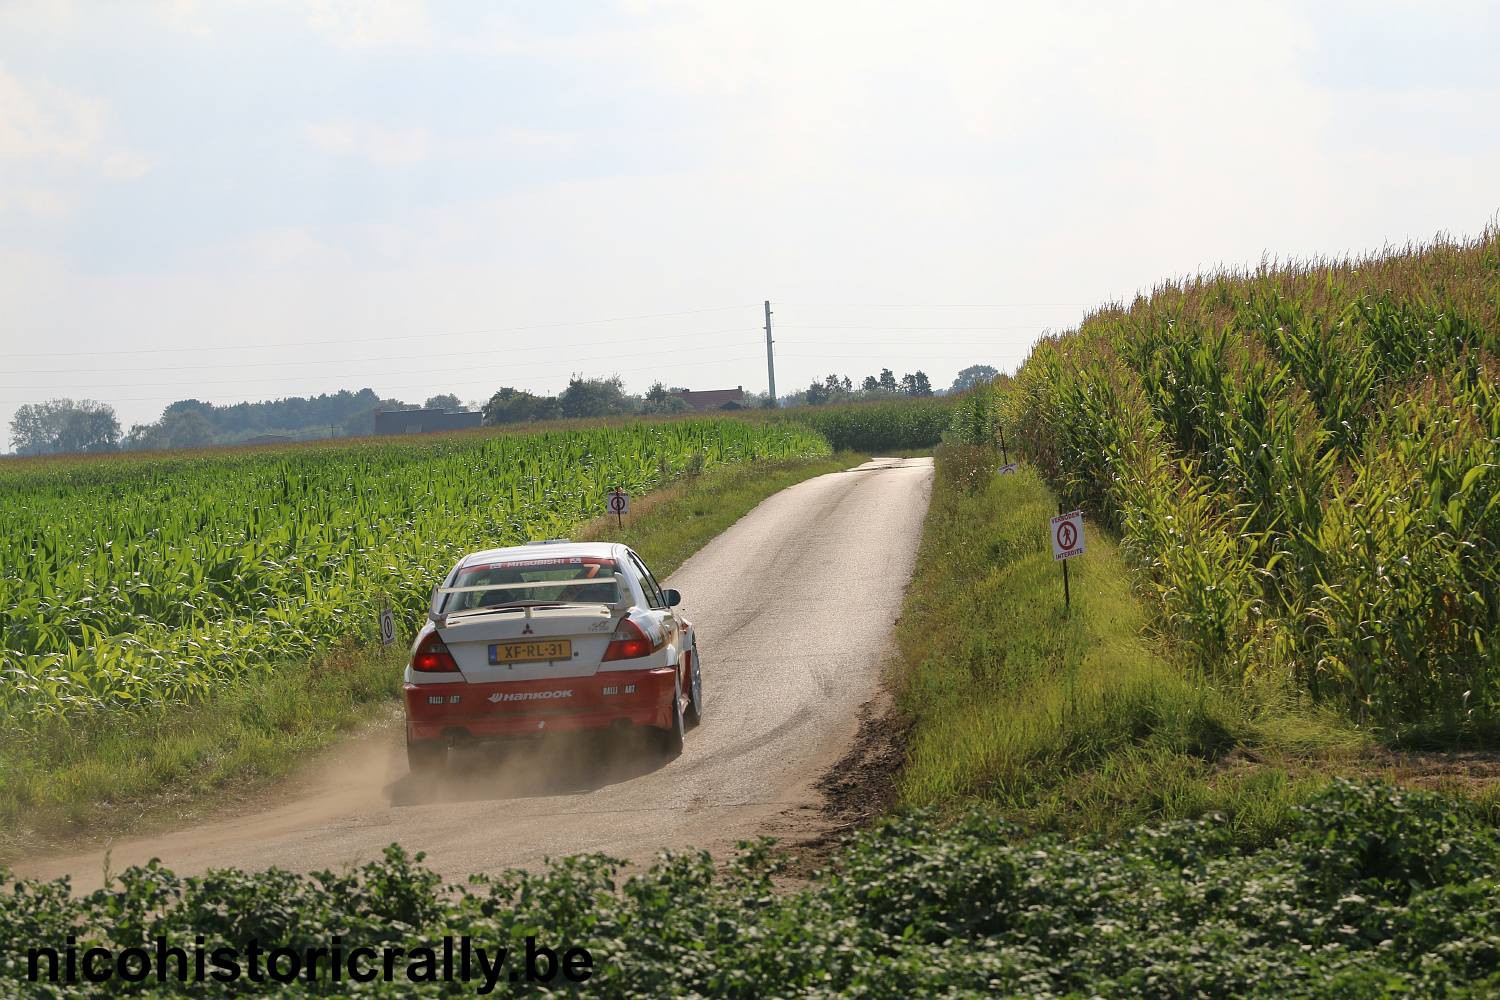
(249, 200)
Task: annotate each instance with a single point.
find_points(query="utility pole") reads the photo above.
(770, 358)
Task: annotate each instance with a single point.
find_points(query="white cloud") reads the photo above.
(371, 23)
(692, 155)
(38, 121)
(41, 201)
(386, 147)
(184, 15)
(124, 164)
(49, 138)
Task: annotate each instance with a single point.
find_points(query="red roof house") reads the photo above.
(715, 399)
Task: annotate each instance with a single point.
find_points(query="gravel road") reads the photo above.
(793, 605)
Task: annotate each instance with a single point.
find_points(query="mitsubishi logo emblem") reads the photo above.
(526, 629)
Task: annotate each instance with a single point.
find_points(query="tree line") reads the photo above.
(840, 388)
(89, 426)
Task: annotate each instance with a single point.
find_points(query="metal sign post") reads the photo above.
(1067, 542)
(619, 506)
(1007, 467)
(1067, 597)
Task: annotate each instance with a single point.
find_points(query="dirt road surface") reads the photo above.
(793, 605)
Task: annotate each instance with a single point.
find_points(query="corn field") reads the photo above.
(128, 582)
(1305, 464)
(889, 425)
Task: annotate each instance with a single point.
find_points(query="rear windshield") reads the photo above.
(538, 579)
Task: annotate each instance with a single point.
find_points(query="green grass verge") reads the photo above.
(1073, 720)
(161, 765)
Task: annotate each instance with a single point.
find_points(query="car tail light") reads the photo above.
(628, 642)
(432, 657)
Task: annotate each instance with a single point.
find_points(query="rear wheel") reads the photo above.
(695, 690)
(426, 756)
(670, 739)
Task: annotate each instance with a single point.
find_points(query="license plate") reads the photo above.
(531, 652)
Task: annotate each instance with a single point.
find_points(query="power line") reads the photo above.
(866, 357)
(660, 366)
(359, 375)
(390, 357)
(935, 305)
(806, 326)
(904, 342)
(404, 336)
(587, 322)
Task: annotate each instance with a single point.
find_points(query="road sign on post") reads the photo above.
(387, 626)
(1067, 535)
(1067, 542)
(1007, 468)
(619, 505)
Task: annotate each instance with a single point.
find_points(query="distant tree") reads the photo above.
(972, 376)
(660, 399)
(181, 427)
(514, 406)
(33, 428)
(916, 384)
(817, 394)
(188, 429)
(190, 405)
(888, 380)
(870, 384)
(672, 404)
(443, 401)
(139, 436)
(594, 397)
(298, 416)
(62, 425)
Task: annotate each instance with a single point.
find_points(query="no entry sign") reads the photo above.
(1067, 535)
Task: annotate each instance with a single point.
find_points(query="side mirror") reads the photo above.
(672, 596)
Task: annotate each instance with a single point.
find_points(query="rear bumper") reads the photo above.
(458, 712)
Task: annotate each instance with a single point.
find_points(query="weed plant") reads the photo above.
(1372, 892)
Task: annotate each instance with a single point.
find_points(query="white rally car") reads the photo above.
(546, 637)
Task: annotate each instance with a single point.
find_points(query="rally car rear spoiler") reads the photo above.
(619, 606)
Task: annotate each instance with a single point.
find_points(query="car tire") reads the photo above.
(695, 691)
(671, 738)
(426, 756)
